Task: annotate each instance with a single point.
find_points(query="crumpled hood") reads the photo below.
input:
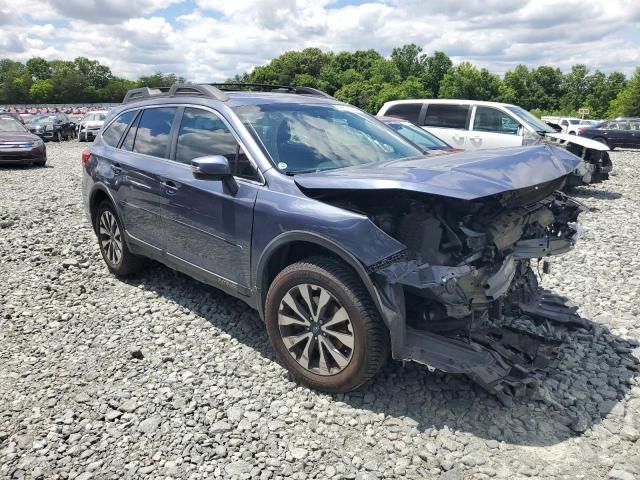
(578, 140)
(467, 175)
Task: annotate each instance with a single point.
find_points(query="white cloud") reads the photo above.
(209, 40)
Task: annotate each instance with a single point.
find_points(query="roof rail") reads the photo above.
(266, 87)
(175, 90)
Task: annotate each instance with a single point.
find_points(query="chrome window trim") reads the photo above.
(206, 108)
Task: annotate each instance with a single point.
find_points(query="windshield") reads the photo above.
(574, 121)
(11, 125)
(419, 136)
(42, 120)
(94, 117)
(530, 119)
(306, 138)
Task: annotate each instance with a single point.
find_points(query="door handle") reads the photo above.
(116, 168)
(170, 187)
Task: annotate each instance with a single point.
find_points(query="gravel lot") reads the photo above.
(163, 377)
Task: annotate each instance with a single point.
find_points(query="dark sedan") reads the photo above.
(18, 146)
(55, 126)
(621, 132)
(427, 142)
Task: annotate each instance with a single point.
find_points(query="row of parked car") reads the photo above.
(59, 126)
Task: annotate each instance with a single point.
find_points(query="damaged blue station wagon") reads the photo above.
(350, 243)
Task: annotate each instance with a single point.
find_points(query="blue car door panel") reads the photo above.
(209, 226)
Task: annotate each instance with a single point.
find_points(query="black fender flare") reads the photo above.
(301, 236)
(99, 187)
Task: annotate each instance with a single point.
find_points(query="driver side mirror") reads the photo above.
(215, 167)
(212, 167)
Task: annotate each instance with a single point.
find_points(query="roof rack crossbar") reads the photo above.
(267, 87)
(215, 90)
(175, 90)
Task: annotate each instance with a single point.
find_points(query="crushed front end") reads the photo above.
(467, 265)
(471, 228)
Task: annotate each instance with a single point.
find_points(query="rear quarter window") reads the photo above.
(405, 111)
(112, 134)
(447, 116)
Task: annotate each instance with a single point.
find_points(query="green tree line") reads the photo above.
(364, 78)
(79, 81)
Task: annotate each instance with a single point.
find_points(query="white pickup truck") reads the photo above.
(570, 125)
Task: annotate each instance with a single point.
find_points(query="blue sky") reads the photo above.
(210, 40)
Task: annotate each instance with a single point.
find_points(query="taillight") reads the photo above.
(580, 130)
(85, 158)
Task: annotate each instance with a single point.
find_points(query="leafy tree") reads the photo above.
(410, 61)
(38, 68)
(159, 79)
(42, 91)
(627, 102)
(515, 87)
(437, 67)
(466, 81)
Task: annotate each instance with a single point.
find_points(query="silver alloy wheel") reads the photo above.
(110, 237)
(316, 329)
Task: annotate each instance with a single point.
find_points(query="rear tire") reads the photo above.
(113, 246)
(344, 341)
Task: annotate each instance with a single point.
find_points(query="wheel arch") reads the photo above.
(291, 247)
(97, 196)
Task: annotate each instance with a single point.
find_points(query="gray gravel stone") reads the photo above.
(160, 376)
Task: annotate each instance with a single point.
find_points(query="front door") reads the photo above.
(492, 128)
(209, 225)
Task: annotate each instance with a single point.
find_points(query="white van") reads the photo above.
(475, 125)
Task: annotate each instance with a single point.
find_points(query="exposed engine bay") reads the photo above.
(467, 264)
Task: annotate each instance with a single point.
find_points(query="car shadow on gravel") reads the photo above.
(586, 192)
(594, 373)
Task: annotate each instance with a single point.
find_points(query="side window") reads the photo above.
(153, 132)
(131, 135)
(634, 125)
(112, 134)
(489, 119)
(406, 111)
(564, 123)
(204, 133)
(447, 116)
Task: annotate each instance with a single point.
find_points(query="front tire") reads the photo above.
(113, 246)
(324, 327)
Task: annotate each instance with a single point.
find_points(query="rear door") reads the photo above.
(492, 128)
(615, 131)
(143, 163)
(209, 226)
(406, 111)
(448, 121)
